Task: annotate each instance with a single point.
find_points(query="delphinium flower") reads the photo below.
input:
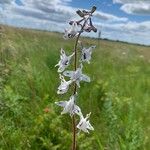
(64, 61)
(72, 31)
(64, 86)
(84, 124)
(69, 106)
(77, 75)
(77, 27)
(86, 54)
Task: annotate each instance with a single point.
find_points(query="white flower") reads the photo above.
(64, 61)
(72, 31)
(69, 106)
(87, 28)
(64, 86)
(84, 124)
(77, 75)
(86, 54)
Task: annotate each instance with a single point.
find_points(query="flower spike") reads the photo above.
(77, 27)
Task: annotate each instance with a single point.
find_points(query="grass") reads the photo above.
(118, 96)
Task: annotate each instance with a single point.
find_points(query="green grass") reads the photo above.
(118, 96)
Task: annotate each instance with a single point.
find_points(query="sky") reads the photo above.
(124, 20)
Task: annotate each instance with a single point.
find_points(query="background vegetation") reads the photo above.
(118, 96)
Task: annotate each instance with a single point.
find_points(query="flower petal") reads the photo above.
(85, 78)
(77, 110)
(68, 73)
(61, 103)
(89, 126)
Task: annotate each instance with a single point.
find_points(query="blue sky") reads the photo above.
(124, 20)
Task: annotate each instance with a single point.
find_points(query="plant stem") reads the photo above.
(74, 133)
(74, 92)
(75, 60)
(75, 87)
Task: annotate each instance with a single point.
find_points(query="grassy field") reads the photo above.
(118, 95)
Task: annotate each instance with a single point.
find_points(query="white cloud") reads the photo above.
(132, 32)
(50, 10)
(5, 1)
(129, 1)
(117, 1)
(109, 17)
(141, 7)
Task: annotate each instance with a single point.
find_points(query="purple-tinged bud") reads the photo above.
(93, 28)
(80, 13)
(93, 9)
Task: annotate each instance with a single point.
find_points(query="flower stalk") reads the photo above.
(74, 92)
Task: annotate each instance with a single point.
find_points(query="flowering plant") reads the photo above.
(76, 76)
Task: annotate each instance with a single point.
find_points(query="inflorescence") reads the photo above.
(76, 76)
